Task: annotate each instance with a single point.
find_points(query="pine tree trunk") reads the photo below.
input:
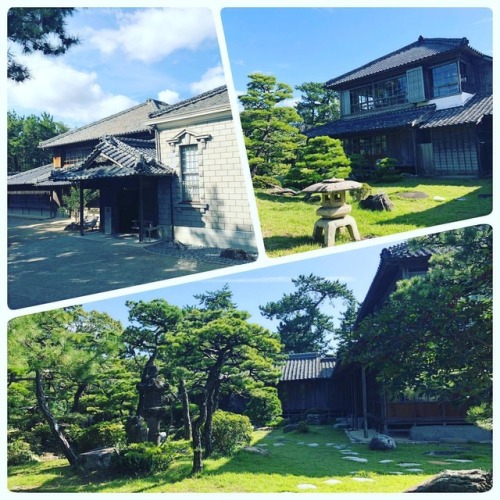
(53, 425)
(208, 428)
(76, 399)
(186, 416)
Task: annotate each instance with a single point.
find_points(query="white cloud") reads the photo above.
(149, 35)
(71, 96)
(169, 96)
(212, 78)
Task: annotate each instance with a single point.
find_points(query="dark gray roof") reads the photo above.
(474, 110)
(307, 366)
(206, 101)
(129, 121)
(379, 121)
(422, 50)
(35, 177)
(114, 157)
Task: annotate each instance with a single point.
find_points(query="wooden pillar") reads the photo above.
(365, 404)
(82, 229)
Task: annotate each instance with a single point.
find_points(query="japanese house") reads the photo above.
(337, 389)
(171, 169)
(429, 105)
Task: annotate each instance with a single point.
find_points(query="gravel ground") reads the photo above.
(204, 254)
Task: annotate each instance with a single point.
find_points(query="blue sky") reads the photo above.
(300, 45)
(125, 56)
(356, 268)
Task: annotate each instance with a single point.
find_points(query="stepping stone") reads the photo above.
(408, 464)
(333, 481)
(279, 444)
(329, 444)
(386, 461)
(305, 486)
(349, 452)
(301, 443)
(363, 479)
(262, 445)
(355, 459)
(460, 460)
(415, 470)
(313, 445)
(437, 462)
(396, 473)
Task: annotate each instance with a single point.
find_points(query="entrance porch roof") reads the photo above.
(113, 158)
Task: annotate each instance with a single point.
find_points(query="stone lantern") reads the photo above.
(334, 210)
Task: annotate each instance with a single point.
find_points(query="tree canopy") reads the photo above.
(317, 105)
(37, 30)
(434, 334)
(303, 325)
(269, 126)
(24, 133)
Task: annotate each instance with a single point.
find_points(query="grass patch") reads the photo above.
(288, 465)
(287, 222)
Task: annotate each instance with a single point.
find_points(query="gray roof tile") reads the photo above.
(129, 121)
(422, 50)
(114, 157)
(474, 110)
(307, 366)
(213, 98)
(35, 177)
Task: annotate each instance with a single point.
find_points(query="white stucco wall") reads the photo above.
(222, 218)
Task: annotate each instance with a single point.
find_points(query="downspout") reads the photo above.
(172, 229)
(141, 210)
(82, 231)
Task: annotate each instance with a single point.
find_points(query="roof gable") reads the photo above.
(129, 121)
(424, 49)
(307, 366)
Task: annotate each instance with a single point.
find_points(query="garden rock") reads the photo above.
(98, 459)
(290, 428)
(257, 451)
(377, 202)
(456, 481)
(236, 254)
(355, 459)
(382, 442)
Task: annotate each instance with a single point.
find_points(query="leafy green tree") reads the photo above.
(318, 104)
(24, 133)
(270, 127)
(37, 30)
(220, 347)
(321, 158)
(56, 356)
(434, 334)
(72, 201)
(303, 325)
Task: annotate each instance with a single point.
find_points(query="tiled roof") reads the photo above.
(419, 51)
(307, 366)
(474, 110)
(379, 121)
(132, 120)
(390, 259)
(35, 177)
(208, 100)
(114, 157)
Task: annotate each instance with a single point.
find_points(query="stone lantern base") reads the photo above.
(325, 229)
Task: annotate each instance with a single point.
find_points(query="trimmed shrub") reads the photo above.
(264, 406)
(230, 431)
(385, 170)
(363, 192)
(302, 427)
(19, 453)
(99, 435)
(265, 181)
(138, 459)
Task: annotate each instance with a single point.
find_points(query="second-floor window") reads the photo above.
(74, 156)
(379, 95)
(445, 80)
(190, 173)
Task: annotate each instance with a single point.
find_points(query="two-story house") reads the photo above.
(175, 168)
(429, 105)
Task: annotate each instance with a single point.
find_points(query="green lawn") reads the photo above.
(287, 222)
(291, 462)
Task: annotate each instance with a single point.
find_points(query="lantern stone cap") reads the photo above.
(333, 184)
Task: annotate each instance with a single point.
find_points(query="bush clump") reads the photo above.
(230, 431)
(265, 181)
(99, 435)
(264, 406)
(19, 452)
(302, 427)
(139, 459)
